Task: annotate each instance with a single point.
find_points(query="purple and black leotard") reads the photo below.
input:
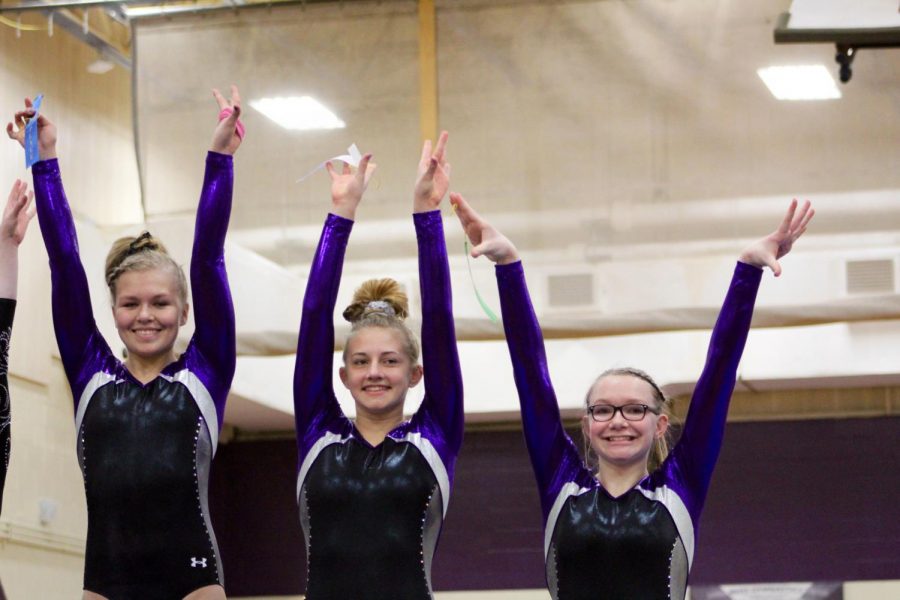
(639, 544)
(145, 449)
(371, 516)
(7, 312)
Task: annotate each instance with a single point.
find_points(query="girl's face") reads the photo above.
(620, 441)
(377, 370)
(148, 312)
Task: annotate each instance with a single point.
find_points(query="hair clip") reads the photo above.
(136, 246)
(381, 306)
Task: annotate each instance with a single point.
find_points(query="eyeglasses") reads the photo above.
(630, 412)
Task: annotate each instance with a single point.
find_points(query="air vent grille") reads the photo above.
(870, 276)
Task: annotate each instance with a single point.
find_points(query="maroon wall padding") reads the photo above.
(790, 501)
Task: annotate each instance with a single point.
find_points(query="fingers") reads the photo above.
(461, 208)
(441, 149)
(799, 215)
(806, 214)
(785, 226)
(432, 167)
(426, 153)
(220, 99)
(331, 172)
(22, 205)
(774, 265)
(464, 211)
(363, 172)
(235, 97)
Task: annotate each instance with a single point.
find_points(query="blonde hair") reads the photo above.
(660, 449)
(381, 303)
(141, 253)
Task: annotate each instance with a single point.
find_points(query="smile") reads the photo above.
(145, 332)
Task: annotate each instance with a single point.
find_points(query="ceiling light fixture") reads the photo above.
(298, 112)
(800, 82)
(100, 65)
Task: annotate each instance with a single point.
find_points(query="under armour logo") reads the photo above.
(198, 562)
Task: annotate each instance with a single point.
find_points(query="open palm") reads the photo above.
(766, 251)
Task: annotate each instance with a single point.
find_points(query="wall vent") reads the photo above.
(870, 276)
(568, 290)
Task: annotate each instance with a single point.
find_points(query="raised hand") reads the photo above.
(767, 251)
(347, 187)
(46, 131)
(16, 215)
(434, 176)
(486, 240)
(230, 130)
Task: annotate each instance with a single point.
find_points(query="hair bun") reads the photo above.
(378, 297)
(127, 246)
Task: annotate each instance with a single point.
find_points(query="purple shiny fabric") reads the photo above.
(688, 468)
(440, 417)
(211, 352)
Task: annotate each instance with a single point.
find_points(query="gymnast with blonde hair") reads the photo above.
(373, 491)
(147, 427)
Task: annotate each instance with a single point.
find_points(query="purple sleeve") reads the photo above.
(81, 347)
(440, 417)
(315, 405)
(554, 458)
(211, 355)
(689, 467)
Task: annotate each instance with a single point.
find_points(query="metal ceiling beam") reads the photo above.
(53, 5)
(167, 8)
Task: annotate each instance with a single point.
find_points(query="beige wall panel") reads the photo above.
(28, 572)
(872, 590)
(43, 462)
(92, 113)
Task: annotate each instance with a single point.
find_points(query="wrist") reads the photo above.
(748, 258)
(421, 205)
(347, 212)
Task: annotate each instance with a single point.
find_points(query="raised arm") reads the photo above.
(214, 335)
(80, 345)
(315, 405)
(16, 217)
(441, 415)
(692, 461)
(555, 460)
(12, 230)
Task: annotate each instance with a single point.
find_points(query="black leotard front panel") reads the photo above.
(7, 311)
(143, 451)
(612, 548)
(371, 518)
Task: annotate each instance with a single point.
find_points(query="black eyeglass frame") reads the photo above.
(621, 410)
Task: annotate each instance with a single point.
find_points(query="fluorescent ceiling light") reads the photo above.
(298, 112)
(100, 65)
(800, 82)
